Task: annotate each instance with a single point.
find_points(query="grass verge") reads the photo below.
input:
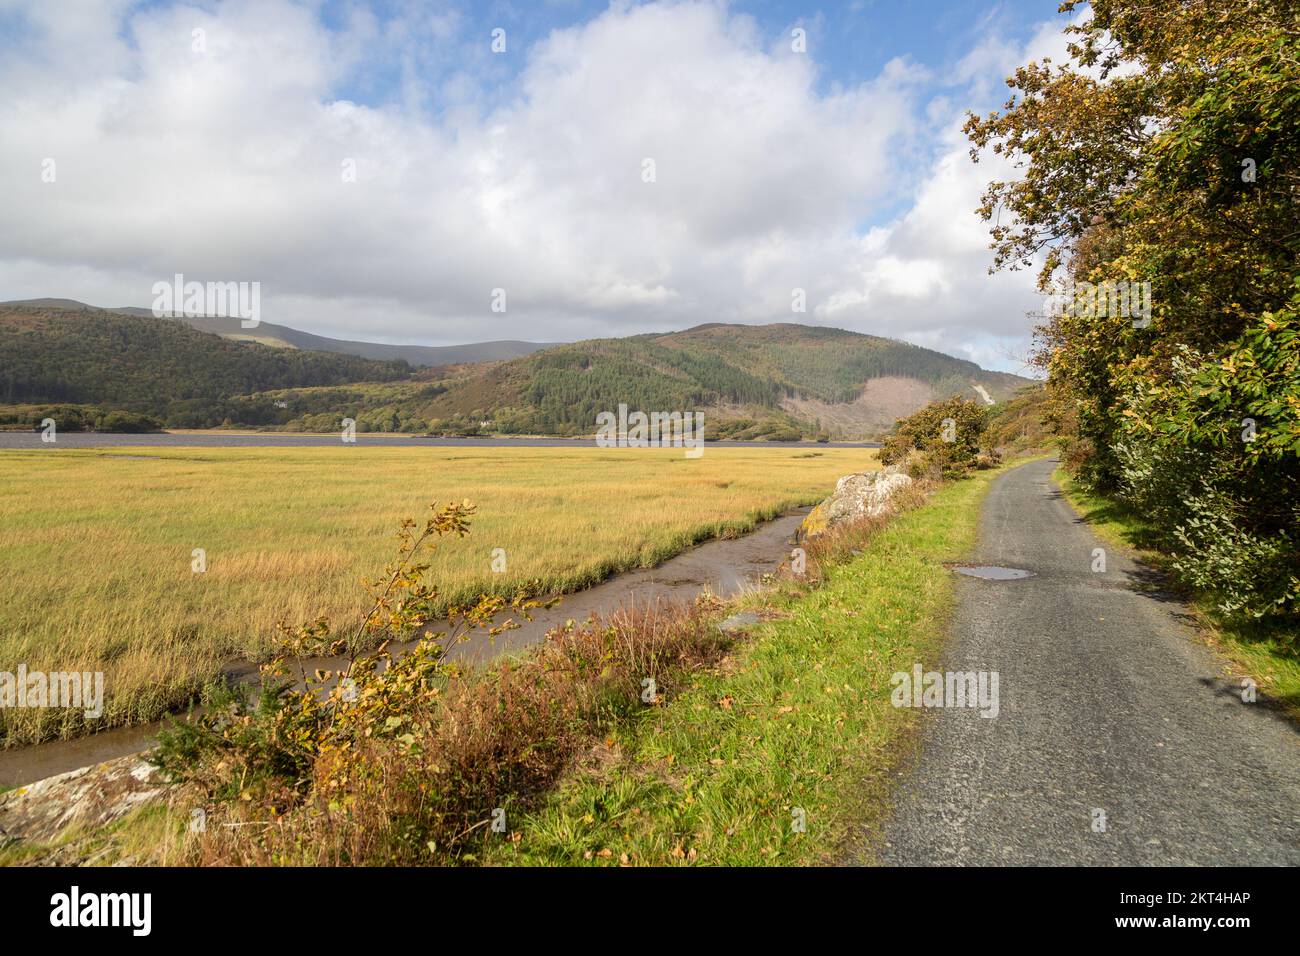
(1268, 656)
(782, 753)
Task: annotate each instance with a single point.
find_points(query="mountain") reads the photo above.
(159, 367)
(777, 380)
(281, 336)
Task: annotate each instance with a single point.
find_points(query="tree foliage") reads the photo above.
(946, 438)
(1166, 151)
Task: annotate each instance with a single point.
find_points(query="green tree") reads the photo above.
(1166, 151)
(946, 436)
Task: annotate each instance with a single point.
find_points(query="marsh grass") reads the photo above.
(742, 729)
(96, 546)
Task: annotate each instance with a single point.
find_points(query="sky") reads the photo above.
(382, 168)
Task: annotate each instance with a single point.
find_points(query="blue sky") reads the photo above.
(851, 41)
(838, 170)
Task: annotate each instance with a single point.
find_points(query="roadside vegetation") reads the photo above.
(1268, 652)
(1166, 152)
(1022, 423)
(642, 738)
(782, 752)
(97, 547)
(943, 440)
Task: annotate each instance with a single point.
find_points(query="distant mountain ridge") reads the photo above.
(282, 336)
(757, 381)
(52, 355)
(779, 381)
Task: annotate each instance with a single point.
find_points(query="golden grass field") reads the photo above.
(96, 545)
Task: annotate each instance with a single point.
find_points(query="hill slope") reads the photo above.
(155, 366)
(282, 336)
(757, 380)
(771, 381)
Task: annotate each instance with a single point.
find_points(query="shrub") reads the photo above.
(1210, 459)
(944, 439)
(131, 422)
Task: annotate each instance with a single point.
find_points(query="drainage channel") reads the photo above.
(721, 566)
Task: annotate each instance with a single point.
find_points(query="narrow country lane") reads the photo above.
(1109, 706)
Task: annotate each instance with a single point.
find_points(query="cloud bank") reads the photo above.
(656, 167)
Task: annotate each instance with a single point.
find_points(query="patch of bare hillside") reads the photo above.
(883, 401)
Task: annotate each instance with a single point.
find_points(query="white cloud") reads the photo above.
(226, 164)
(925, 277)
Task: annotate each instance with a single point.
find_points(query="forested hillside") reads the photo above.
(282, 336)
(771, 381)
(831, 364)
(156, 366)
(751, 376)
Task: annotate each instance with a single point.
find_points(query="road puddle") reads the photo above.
(991, 572)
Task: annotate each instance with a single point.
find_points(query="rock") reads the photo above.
(913, 464)
(92, 796)
(862, 495)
